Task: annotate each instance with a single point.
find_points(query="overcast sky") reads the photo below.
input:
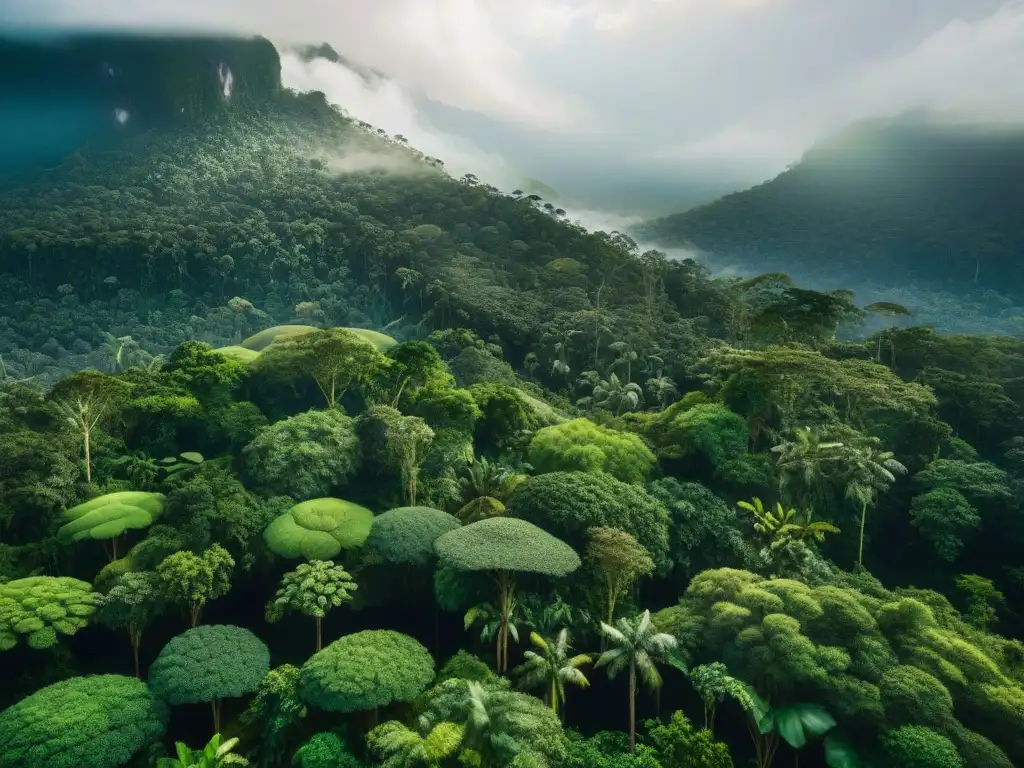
(621, 103)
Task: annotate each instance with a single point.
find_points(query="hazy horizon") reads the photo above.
(637, 106)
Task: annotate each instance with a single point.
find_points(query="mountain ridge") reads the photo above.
(907, 200)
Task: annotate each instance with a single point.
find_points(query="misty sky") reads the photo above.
(625, 104)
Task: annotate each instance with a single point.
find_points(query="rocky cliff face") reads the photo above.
(58, 93)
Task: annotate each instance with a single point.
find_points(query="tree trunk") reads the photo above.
(195, 610)
(632, 707)
(860, 550)
(88, 456)
(506, 592)
(135, 636)
(554, 696)
(113, 547)
(215, 706)
(319, 633)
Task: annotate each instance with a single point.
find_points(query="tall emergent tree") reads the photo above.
(131, 604)
(96, 721)
(209, 663)
(85, 399)
(618, 560)
(313, 588)
(109, 516)
(502, 547)
(337, 359)
(193, 580)
(871, 470)
(637, 646)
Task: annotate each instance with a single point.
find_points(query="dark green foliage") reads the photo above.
(319, 529)
(98, 721)
(703, 530)
(607, 749)
(366, 670)
(304, 456)
(208, 663)
(276, 712)
(325, 750)
(506, 544)
(568, 503)
(406, 535)
(911, 746)
(945, 518)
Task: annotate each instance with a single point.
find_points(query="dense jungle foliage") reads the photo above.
(915, 210)
(313, 455)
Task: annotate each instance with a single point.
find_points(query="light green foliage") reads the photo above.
(304, 456)
(402, 747)
(581, 445)
(678, 745)
(209, 663)
(260, 341)
(446, 408)
(407, 534)
(912, 696)
(945, 518)
(912, 746)
(325, 750)
(569, 503)
(500, 725)
(506, 544)
(319, 529)
(107, 517)
(210, 377)
(550, 667)
(314, 588)
(366, 670)
(465, 666)
(218, 753)
(381, 341)
(38, 608)
(97, 721)
(238, 353)
(879, 660)
(193, 580)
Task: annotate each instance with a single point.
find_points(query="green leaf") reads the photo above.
(839, 753)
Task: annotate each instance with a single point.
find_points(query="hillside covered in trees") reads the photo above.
(914, 203)
(313, 455)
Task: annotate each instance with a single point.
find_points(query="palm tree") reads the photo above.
(782, 523)
(616, 396)
(402, 747)
(870, 471)
(804, 464)
(552, 668)
(486, 486)
(491, 624)
(637, 646)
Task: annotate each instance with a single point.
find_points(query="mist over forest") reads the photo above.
(407, 395)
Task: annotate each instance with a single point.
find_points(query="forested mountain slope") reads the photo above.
(369, 466)
(885, 202)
